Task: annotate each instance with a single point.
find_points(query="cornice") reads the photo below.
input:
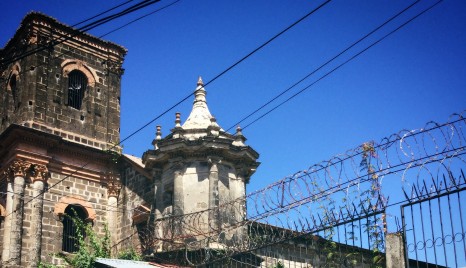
(43, 21)
(54, 151)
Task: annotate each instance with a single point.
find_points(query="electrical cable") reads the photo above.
(226, 70)
(324, 64)
(342, 64)
(188, 96)
(80, 31)
(101, 13)
(321, 77)
(137, 19)
(362, 38)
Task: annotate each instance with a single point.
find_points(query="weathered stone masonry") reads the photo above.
(46, 142)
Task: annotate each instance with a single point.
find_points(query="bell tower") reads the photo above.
(61, 81)
(59, 113)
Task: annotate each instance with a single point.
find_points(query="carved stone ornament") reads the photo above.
(19, 168)
(113, 186)
(38, 173)
(34, 172)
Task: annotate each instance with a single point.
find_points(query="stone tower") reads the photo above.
(61, 81)
(199, 167)
(59, 113)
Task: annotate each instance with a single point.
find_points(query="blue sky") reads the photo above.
(414, 76)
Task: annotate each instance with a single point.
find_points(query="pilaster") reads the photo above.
(178, 206)
(38, 177)
(18, 170)
(113, 191)
(214, 222)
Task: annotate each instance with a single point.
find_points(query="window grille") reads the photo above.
(77, 83)
(70, 230)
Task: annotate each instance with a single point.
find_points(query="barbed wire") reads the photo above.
(340, 190)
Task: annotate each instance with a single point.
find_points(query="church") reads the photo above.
(60, 156)
(60, 153)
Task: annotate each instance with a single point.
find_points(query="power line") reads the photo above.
(137, 19)
(188, 96)
(359, 53)
(227, 69)
(324, 64)
(101, 13)
(80, 31)
(345, 50)
(45, 190)
(342, 64)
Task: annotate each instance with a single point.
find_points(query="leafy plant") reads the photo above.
(130, 254)
(90, 246)
(278, 265)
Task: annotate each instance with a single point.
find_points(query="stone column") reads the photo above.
(238, 194)
(214, 221)
(8, 219)
(19, 170)
(158, 204)
(178, 199)
(158, 195)
(39, 176)
(113, 190)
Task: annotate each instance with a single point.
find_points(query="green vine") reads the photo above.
(90, 246)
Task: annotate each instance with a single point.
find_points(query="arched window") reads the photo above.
(70, 230)
(77, 83)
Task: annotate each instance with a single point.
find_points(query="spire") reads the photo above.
(199, 118)
(199, 94)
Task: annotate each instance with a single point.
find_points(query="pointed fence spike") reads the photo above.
(341, 215)
(435, 182)
(428, 192)
(416, 191)
(419, 188)
(308, 225)
(445, 181)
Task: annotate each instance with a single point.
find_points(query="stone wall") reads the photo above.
(137, 190)
(91, 192)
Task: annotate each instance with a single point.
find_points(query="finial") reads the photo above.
(214, 127)
(239, 130)
(239, 139)
(178, 120)
(199, 93)
(158, 133)
(199, 81)
(158, 137)
(213, 121)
